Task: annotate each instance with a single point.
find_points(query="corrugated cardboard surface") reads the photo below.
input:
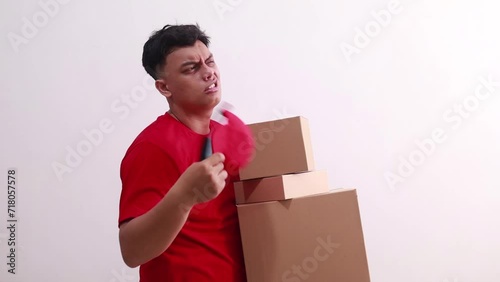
(316, 238)
(281, 187)
(281, 147)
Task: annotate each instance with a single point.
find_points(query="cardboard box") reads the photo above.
(281, 147)
(281, 187)
(316, 239)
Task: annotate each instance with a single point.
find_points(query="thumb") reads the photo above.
(215, 159)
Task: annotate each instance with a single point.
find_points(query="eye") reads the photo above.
(190, 69)
(211, 62)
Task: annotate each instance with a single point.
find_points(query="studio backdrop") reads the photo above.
(402, 98)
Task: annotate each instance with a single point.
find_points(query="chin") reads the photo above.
(217, 97)
(217, 101)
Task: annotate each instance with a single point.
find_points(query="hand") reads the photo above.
(235, 140)
(203, 181)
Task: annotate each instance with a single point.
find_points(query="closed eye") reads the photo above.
(210, 60)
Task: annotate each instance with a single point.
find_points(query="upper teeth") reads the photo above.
(211, 86)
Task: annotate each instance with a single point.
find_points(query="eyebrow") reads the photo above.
(187, 63)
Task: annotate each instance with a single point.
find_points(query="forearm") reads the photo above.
(147, 236)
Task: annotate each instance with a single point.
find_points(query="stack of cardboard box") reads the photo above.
(293, 227)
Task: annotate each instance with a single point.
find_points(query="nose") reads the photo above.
(208, 73)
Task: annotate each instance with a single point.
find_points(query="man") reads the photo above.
(177, 218)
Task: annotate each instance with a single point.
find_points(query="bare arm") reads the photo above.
(149, 235)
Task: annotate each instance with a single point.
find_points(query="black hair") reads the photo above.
(166, 40)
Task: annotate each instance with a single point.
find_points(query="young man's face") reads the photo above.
(190, 78)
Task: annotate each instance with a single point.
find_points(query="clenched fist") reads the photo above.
(203, 181)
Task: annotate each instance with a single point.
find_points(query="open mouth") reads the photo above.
(212, 87)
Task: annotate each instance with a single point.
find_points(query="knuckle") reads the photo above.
(205, 168)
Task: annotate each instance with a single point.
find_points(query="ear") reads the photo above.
(163, 88)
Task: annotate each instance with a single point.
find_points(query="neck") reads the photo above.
(199, 122)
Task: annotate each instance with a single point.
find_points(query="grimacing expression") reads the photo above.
(190, 78)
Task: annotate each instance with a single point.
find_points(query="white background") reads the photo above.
(277, 58)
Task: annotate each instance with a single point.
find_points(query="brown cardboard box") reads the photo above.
(281, 147)
(281, 187)
(316, 239)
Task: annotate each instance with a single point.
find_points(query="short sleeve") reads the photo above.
(147, 173)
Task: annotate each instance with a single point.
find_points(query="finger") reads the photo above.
(223, 174)
(218, 168)
(216, 159)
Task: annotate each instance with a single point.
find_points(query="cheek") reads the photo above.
(183, 84)
(187, 89)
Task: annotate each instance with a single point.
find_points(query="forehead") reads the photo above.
(189, 53)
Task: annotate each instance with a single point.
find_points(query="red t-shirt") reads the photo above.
(208, 247)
